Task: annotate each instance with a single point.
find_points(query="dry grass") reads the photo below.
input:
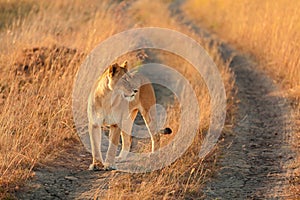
(269, 30)
(37, 80)
(36, 84)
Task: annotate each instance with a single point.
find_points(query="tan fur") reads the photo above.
(107, 109)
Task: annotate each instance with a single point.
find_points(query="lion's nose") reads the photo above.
(135, 91)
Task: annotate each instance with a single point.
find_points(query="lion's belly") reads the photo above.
(116, 114)
(110, 120)
(106, 118)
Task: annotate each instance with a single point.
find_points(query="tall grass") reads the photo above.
(40, 53)
(269, 30)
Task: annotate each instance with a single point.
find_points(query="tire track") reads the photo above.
(252, 164)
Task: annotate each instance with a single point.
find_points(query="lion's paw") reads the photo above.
(96, 167)
(109, 167)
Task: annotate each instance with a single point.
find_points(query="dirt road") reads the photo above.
(253, 158)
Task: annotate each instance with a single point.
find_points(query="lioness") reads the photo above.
(114, 102)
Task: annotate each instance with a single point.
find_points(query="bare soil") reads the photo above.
(66, 178)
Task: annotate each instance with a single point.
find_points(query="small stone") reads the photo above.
(71, 178)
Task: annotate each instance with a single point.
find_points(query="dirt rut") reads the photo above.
(254, 155)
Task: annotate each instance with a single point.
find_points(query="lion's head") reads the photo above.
(120, 80)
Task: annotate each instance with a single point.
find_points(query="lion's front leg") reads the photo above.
(114, 137)
(95, 139)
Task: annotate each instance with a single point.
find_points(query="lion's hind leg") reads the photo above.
(151, 124)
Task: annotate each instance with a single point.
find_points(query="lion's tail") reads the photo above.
(165, 131)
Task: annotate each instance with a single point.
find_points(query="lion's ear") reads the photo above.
(125, 64)
(112, 69)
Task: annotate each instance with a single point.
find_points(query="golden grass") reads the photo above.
(269, 30)
(36, 85)
(14, 10)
